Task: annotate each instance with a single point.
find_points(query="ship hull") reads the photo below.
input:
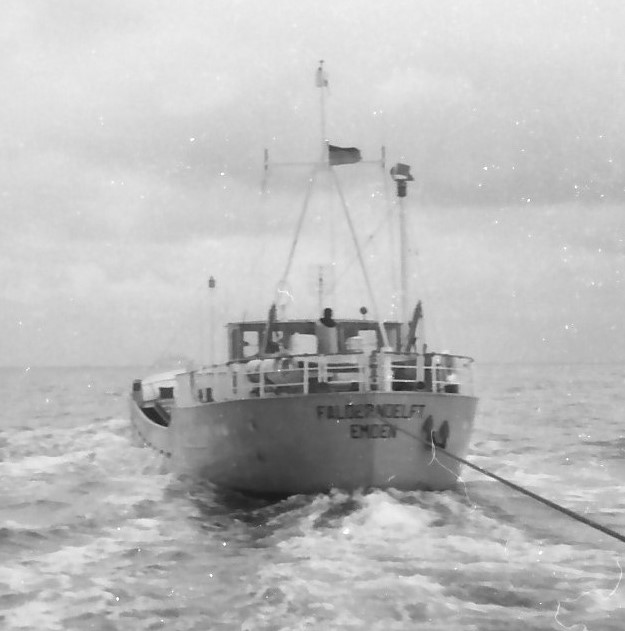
(286, 445)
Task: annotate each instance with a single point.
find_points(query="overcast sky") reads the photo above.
(132, 137)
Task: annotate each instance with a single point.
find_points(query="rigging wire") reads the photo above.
(417, 271)
(367, 242)
(386, 220)
(256, 260)
(376, 313)
(300, 221)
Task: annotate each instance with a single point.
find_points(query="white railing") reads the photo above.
(432, 372)
(349, 372)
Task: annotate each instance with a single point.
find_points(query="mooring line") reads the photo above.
(566, 511)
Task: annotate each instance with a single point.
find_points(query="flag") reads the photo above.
(321, 79)
(343, 155)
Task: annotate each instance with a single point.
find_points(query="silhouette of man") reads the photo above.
(327, 335)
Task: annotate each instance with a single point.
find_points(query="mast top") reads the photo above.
(401, 174)
(321, 78)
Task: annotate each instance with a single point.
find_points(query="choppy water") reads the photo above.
(95, 534)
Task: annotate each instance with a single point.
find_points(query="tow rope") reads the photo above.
(543, 500)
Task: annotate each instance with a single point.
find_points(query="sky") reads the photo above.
(131, 158)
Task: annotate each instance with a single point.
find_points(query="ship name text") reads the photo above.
(369, 410)
(373, 430)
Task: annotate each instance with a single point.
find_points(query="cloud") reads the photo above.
(132, 146)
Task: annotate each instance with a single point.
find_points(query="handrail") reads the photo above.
(307, 373)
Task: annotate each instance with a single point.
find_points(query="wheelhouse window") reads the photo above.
(251, 343)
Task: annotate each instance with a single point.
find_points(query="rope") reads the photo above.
(566, 511)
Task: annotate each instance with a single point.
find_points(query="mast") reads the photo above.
(321, 81)
(403, 262)
(401, 174)
(331, 156)
(211, 296)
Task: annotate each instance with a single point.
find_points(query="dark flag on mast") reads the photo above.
(343, 155)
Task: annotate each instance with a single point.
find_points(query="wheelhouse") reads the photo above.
(247, 340)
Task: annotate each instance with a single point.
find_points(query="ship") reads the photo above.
(307, 405)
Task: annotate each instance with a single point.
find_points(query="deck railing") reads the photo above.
(349, 372)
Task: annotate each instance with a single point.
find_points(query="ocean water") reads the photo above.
(95, 533)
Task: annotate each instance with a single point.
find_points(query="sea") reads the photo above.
(96, 533)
